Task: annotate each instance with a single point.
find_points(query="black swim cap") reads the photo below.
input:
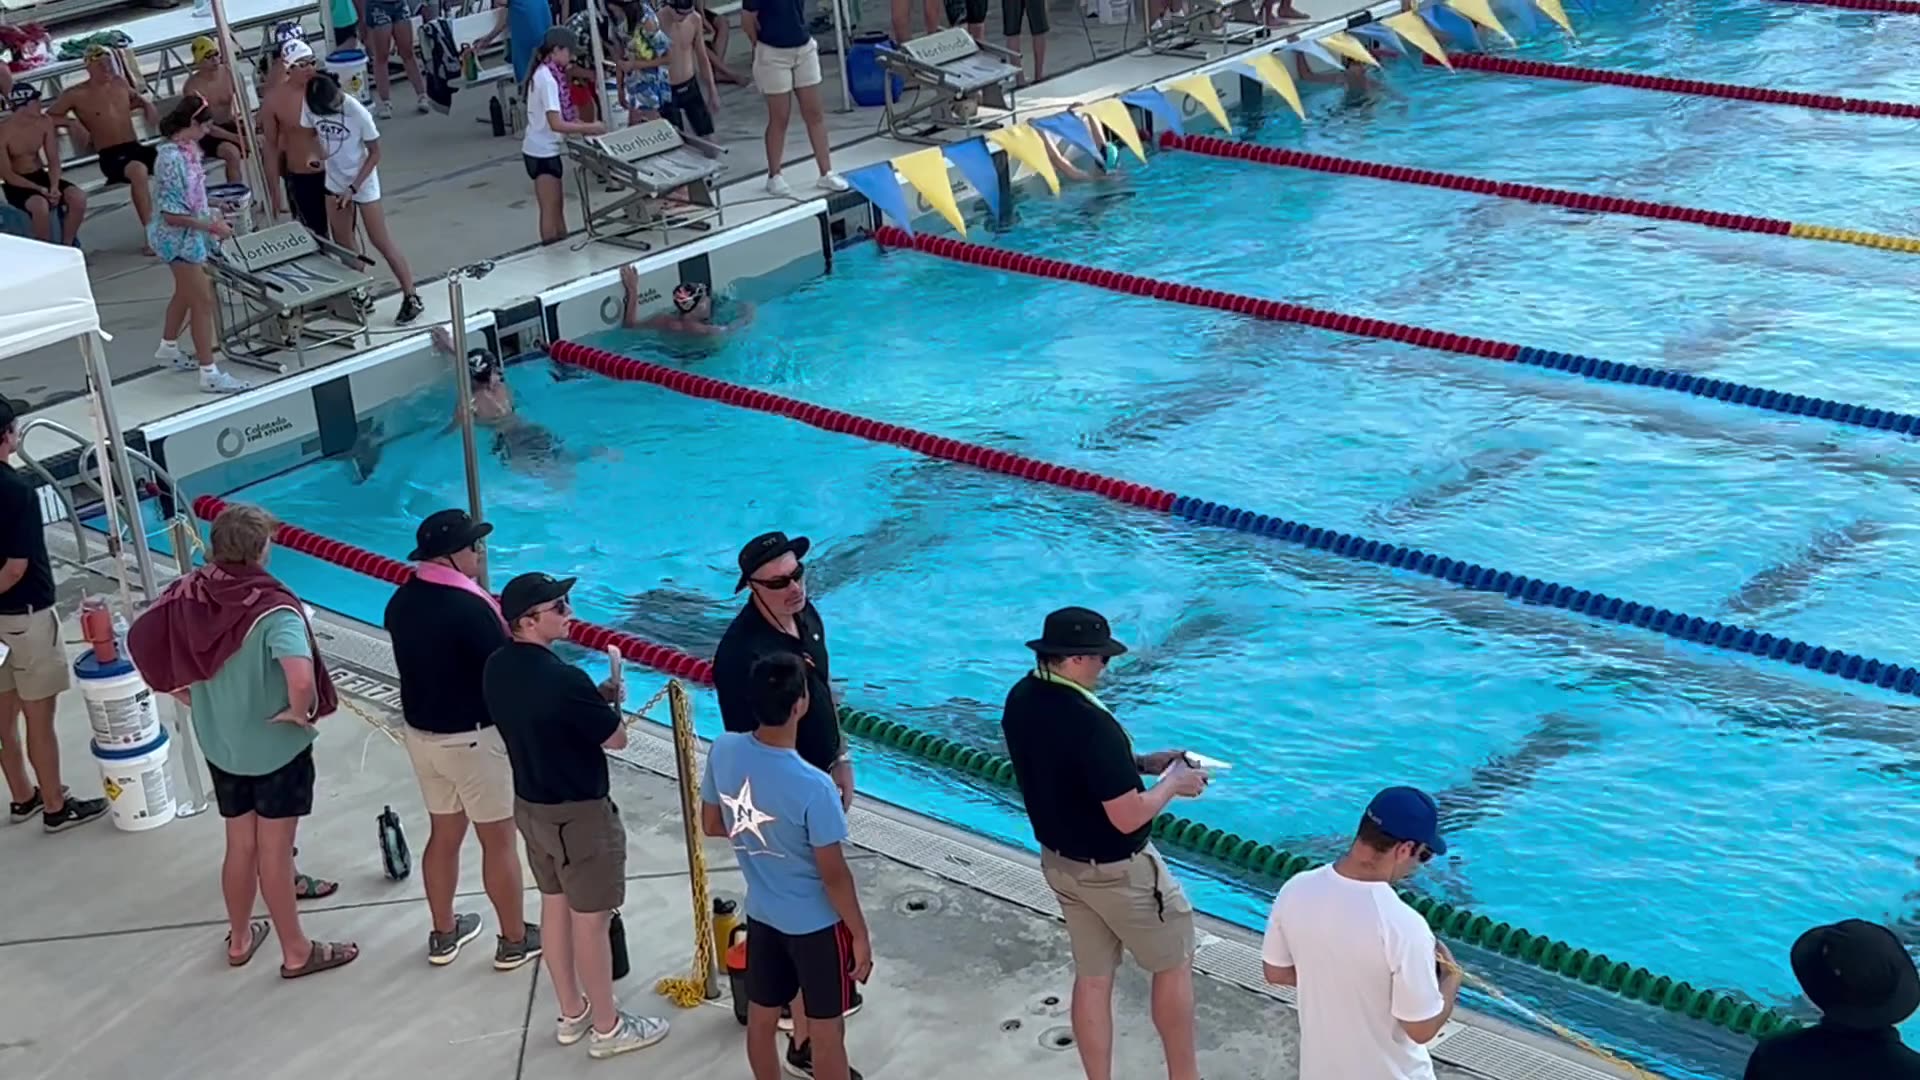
(481, 365)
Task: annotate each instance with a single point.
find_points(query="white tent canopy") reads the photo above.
(48, 298)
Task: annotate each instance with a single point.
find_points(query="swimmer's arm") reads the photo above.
(1061, 165)
(9, 176)
(50, 148)
(493, 35)
(1306, 73)
(750, 22)
(147, 108)
(745, 316)
(704, 71)
(270, 153)
(366, 167)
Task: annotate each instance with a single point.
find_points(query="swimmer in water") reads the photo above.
(517, 442)
(692, 310)
(1057, 153)
(1357, 77)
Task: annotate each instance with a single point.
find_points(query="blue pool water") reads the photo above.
(1682, 809)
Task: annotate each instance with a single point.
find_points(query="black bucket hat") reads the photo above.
(445, 532)
(765, 548)
(1858, 973)
(1076, 631)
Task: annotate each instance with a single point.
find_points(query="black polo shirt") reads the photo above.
(748, 638)
(442, 637)
(1826, 1050)
(21, 538)
(553, 720)
(1070, 757)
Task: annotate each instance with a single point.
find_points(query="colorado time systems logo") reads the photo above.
(232, 440)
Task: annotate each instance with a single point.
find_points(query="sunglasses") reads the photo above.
(559, 607)
(1424, 854)
(784, 580)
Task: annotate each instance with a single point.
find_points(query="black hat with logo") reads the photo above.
(445, 532)
(765, 548)
(1076, 631)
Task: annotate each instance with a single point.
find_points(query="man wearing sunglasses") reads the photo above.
(557, 726)
(1374, 985)
(1093, 815)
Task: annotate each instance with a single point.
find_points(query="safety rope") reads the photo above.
(1895, 7)
(1767, 95)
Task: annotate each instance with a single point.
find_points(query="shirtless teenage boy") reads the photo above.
(692, 309)
(30, 168)
(689, 70)
(104, 105)
(215, 87)
(293, 152)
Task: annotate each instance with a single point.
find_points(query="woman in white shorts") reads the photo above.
(350, 142)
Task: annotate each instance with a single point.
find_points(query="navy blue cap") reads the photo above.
(1406, 813)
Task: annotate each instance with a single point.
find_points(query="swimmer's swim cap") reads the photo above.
(204, 47)
(1111, 156)
(481, 365)
(688, 296)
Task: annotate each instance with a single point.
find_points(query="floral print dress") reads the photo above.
(179, 187)
(648, 88)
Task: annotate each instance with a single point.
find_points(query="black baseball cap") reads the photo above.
(10, 410)
(1076, 631)
(765, 548)
(445, 532)
(529, 591)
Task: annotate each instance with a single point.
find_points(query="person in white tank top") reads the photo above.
(1373, 985)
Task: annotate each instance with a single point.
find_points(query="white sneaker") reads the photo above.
(384, 110)
(631, 1033)
(831, 181)
(571, 1029)
(777, 185)
(422, 107)
(169, 353)
(215, 381)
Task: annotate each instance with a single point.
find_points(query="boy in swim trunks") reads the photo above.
(692, 309)
(689, 72)
(104, 105)
(215, 87)
(30, 168)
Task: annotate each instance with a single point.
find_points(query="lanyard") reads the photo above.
(1047, 676)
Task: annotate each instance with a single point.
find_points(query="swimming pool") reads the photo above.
(1659, 802)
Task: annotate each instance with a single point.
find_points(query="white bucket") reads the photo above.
(350, 67)
(1115, 12)
(233, 202)
(135, 780)
(120, 706)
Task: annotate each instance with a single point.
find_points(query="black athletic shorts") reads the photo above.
(966, 12)
(286, 792)
(818, 966)
(115, 159)
(210, 144)
(344, 34)
(538, 167)
(20, 196)
(687, 110)
(1035, 12)
(307, 195)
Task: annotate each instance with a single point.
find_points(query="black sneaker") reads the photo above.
(508, 955)
(410, 309)
(800, 1062)
(443, 948)
(21, 811)
(75, 813)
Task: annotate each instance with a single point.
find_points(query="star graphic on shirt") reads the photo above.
(746, 816)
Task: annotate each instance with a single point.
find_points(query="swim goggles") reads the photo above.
(688, 296)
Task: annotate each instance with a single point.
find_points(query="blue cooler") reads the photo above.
(866, 79)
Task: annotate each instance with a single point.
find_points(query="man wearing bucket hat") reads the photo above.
(1865, 985)
(1374, 985)
(214, 84)
(556, 726)
(1092, 814)
(444, 626)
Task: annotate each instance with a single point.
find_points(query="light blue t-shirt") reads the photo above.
(233, 711)
(777, 809)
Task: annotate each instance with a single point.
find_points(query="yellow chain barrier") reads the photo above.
(700, 983)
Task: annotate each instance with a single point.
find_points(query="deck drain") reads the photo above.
(1057, 1038)
(918, 902)
(1010, 1025)
(1046, 1005)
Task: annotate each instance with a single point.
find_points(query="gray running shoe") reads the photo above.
(571, 1029)
(443, 948)
(508, 955)
(631, 1033)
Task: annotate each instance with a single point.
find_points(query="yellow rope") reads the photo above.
(691, 990)
(1557, 1028)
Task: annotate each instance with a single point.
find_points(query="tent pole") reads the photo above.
(463, 382)
(243, 116)
(598, 51)
(100, 386)
(840, 45)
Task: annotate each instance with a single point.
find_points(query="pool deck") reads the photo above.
(112, 946)
(456, 195)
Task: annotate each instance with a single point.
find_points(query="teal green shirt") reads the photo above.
(233, 711)
(345, 13)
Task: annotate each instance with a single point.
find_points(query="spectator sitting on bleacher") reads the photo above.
(30, 168)
(215, 87)
(104, 105)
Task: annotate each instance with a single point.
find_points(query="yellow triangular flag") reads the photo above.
(1113, 115)
(1023, 144)
(1409, 26)
(1350, 47)
(926, 170)
(1557, 13)
(1267, 66)
(1481, 11)
(1200, 88)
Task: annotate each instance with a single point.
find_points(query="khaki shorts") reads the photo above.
(36, 666)
(779, 71)
(467, 773)
(577, 850)
(1135, 904)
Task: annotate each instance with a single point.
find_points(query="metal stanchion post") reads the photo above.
(456, 302)
(182, 536)
(687, 770)
(108, 418)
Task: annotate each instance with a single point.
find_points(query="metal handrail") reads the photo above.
(59, 491)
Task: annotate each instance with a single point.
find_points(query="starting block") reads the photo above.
(272, 287)
(661, 180)
(965, 84)
(1203, 23)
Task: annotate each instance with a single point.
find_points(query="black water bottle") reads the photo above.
(497, 117)
(617, 940)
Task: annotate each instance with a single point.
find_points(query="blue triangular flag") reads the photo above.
(1157, 103)
(1073, 129)
(1453, 24)
(975, 162)
(882, 188)
(1317, 51)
